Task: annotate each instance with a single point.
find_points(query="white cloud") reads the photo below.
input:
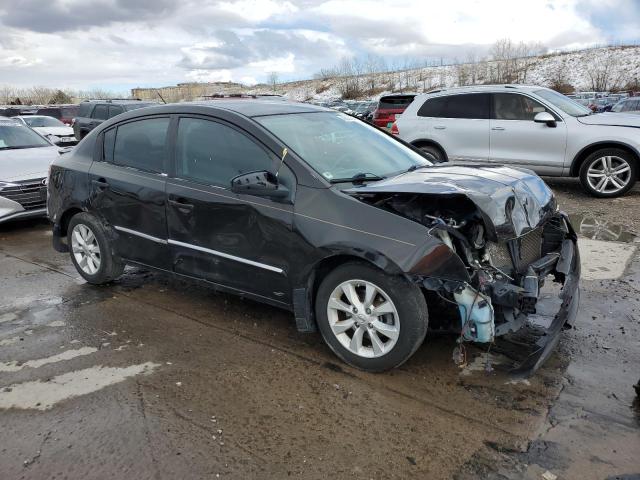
(158, 42)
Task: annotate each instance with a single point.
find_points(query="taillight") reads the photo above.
(394, 129)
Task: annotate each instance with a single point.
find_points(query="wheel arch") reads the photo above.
(582, 155)
(66, 217)
(304, 293)
(423, 142)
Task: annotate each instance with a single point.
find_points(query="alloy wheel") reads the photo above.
(363, 318)
(609, 174)
(85, 249)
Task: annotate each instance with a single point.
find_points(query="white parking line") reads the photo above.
(41, 395)
(66, 355)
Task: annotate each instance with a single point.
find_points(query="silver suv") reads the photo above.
(528, 126)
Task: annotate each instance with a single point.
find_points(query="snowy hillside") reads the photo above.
(593, 69)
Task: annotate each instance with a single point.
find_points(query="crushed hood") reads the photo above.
(612, 119)
(511, 201)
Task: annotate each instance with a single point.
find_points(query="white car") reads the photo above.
(51, 128)
(526, 126)
(25, 157)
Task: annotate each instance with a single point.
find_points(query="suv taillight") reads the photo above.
(394, 129)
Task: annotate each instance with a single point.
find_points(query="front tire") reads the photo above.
(434, 154)
(609, 172)
(371, 320)
(91, 251)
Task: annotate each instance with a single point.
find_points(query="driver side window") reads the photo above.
(213, 153)
(513, 106)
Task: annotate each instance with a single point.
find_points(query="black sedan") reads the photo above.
(312, 210)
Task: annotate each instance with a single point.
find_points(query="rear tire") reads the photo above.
(390, 325)
(91, 251)
(608, 173)
(433, 153)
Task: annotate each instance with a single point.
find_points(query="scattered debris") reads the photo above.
(549, 476)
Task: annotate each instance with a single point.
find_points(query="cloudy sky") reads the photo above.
(119, 44)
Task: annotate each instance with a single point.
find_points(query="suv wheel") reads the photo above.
(90, 250)
(433, 153)
(609, 172)
(369, 319)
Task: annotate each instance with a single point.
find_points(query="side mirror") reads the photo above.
(545, 117)
(261, 184)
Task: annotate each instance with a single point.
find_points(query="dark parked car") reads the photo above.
(93, 112)
(320, 213)
(389, 106)
(64, 113)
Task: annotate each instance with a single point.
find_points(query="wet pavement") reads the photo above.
(157, 378)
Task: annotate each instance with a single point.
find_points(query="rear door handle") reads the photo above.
(497, 128)
(439, 127)
(181, 205)
(100, 183)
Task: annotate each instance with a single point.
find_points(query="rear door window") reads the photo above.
(470, 105)
(100, 112)
(141, 144)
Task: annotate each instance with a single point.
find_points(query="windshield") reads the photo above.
(13, 135)
(338, 146)
(564, 103)
(43, 122)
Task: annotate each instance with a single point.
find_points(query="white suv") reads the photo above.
(529, 126)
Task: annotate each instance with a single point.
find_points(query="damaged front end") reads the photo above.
(513, 243)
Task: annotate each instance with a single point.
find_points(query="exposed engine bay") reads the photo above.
(506, 275)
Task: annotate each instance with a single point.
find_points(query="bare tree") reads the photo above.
(604, 71)
(273, 80)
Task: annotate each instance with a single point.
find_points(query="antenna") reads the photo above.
(160, 95)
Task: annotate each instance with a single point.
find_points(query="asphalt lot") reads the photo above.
(156, 378)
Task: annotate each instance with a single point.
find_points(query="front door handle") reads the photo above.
(100, 183)
(439, 127)
(182, 205)
(497, 128)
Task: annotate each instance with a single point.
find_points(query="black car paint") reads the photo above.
(324, 223)
(319, 224)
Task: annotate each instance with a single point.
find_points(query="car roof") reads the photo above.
(249, 107)
(484, 88)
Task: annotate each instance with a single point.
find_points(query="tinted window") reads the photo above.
(432, 107)
(470, 105)
(214, 153)
(115, 110)
(100, 112)
(395, 102)
(108, 144)
(85, 109)
(512, 106)
(141, 144)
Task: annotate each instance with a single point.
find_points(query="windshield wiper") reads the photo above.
(358, 178)
(416, 167)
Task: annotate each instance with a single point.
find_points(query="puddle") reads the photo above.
(596, 228)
